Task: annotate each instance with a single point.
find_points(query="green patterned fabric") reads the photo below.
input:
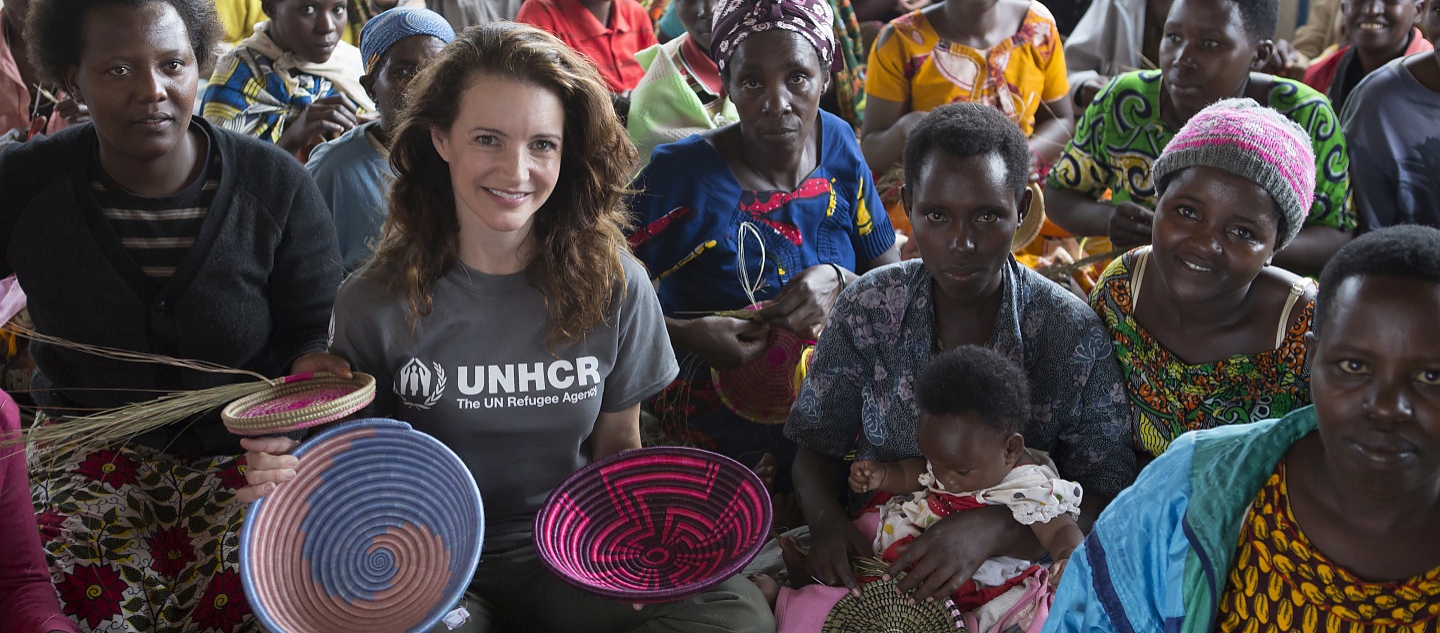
(1121, 134)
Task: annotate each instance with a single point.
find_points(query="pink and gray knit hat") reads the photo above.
(1252, 141)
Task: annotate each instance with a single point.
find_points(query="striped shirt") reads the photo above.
(157, 232)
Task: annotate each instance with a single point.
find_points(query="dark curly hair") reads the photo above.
(578, 232)
(53, 33)
(973, 379)
(964, 130)
(1406, 251)
(1259, 17)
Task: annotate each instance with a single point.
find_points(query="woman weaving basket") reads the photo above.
(152, 231)
(787, 191)
(507, 317)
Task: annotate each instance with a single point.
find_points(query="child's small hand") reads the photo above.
(1056, 569)
(866, 475)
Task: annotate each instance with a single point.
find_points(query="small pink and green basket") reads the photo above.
(299, 402)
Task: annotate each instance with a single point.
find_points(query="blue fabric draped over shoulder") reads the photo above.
(1140, 537)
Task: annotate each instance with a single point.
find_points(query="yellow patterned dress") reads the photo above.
(917, 67)
(1279, 582)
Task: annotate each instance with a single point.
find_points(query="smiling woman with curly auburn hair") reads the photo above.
(507, 316)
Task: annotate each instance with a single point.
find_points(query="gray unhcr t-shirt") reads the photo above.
(478, 376)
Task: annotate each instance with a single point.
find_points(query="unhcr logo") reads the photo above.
(418, 386)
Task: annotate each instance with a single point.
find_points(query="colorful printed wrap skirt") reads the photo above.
(139, 540)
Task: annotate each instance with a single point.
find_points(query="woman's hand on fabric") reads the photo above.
(324, 118)
(805, 302)
(946, 554)
(725, 342)
(322, 361)
(832, 546)
(1130, 225)
(267, 465)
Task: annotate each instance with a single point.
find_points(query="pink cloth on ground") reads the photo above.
(804, 610)
(28, 601)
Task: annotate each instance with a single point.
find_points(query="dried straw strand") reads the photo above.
(106, 428)
(131, 356)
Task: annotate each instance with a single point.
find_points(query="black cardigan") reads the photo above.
(254, 292)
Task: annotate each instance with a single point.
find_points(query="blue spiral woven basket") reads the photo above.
(379, 531)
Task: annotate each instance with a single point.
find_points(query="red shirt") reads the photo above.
(612, 47)
(1322, 72)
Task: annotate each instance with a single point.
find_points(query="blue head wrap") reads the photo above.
(384, 30)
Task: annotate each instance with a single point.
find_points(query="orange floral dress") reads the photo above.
(1280, 582)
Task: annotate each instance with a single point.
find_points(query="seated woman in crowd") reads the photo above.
(849, 75)
(1323, 520)
(504, 247)
(353, 171)
(1379, 32)
(965, 192)
(681, 93)
(1118, 36)
(293, 82)
(1208, 53)
(1393, 121)
(152, 231)
(27, 598)
(1218, 336)
(790, 173)
(1003, 53)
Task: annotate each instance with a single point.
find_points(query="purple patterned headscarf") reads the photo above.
(736, 20)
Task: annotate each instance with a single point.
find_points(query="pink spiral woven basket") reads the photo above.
(763, 389)
(300, 401)
(654, 524)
